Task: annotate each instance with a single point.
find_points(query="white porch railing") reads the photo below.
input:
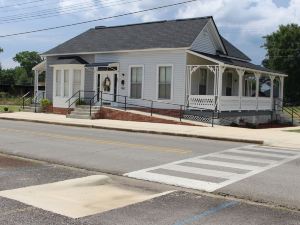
(248, 103)
(230, 103)
(202, 101)
(264, 103)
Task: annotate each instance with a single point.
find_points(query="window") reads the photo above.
(58, 82)
(136, 82)
(76, 81)
(164, 82)
(202, 83)
(66, 83)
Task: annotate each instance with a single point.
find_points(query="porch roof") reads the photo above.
(239, 63)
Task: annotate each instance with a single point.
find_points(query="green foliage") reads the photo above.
(16, 76)
(283, 54)
(5, 109)
(45, 103)
(28, 60)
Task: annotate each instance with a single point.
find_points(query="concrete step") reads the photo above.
(31, 109)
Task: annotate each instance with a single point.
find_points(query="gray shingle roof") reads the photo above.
(233, 51)
(239, 63)
(162, 34)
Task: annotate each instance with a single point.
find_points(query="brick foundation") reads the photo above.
(165, 112)
(56, 110)
(114, 114)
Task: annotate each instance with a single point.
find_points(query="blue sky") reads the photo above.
(243, 22)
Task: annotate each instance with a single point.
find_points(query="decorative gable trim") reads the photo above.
(209, 40)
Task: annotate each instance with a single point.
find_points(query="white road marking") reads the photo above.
(272, 150)
(224, 164)
(249, 159)
(249, 152)
(205, 172)
(231, 177)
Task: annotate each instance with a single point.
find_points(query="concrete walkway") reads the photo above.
(278, 137)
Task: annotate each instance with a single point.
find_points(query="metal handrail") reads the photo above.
(126, 104)
(23, 100)
(35, 100)
(161, 102)
(289, 110)
(77, 99)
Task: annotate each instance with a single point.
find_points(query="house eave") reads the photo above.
(236, 67)
(117, 51)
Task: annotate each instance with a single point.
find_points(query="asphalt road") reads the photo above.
(102, 150)
(116, 152)
(177, 208)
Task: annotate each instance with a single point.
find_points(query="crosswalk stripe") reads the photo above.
(275, 151)
(172, 180)
(249, 152)
(225, 164)
(191, 173)
(206, 172)
(250, 159)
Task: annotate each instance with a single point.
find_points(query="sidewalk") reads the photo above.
(278, 137)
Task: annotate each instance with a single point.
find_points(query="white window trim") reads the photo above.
(129, 80)
(71, 68)
(157, 82)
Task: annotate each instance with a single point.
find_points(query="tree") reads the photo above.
(1, 50)
(28, 60)
(283, 54)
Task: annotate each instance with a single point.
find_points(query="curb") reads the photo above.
(250, 141)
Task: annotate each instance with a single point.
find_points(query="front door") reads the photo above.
(106, 86)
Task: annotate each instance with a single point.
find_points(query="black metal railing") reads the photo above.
(288, 108)
(24, 99)
(37, 100)
(77, 97)
(102, 97)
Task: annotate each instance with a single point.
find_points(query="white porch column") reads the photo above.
(36, 82)
(281, 94)
(220, 85)
(272, 90)
(241, 74)
(257, 77)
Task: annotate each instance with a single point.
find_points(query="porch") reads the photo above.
(216, 85)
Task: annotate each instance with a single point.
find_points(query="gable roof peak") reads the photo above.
(155, 22)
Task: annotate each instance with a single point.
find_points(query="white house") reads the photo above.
(178, 62)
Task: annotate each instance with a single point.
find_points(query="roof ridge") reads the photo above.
(153, 22)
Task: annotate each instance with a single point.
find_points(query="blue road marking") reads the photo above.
(207, 213)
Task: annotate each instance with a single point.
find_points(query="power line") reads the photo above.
(94, 20)
(64, 12)
(29, 7)
(54, 9)
(20, 4)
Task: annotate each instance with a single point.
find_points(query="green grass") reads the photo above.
(10, 101)
(296, 111)
(295, 131)
(11, 108)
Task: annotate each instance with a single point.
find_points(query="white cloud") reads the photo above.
(81, 8)
(250, 17)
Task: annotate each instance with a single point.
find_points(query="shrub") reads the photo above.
(5, 109)
(45, 103)
(81, 102)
